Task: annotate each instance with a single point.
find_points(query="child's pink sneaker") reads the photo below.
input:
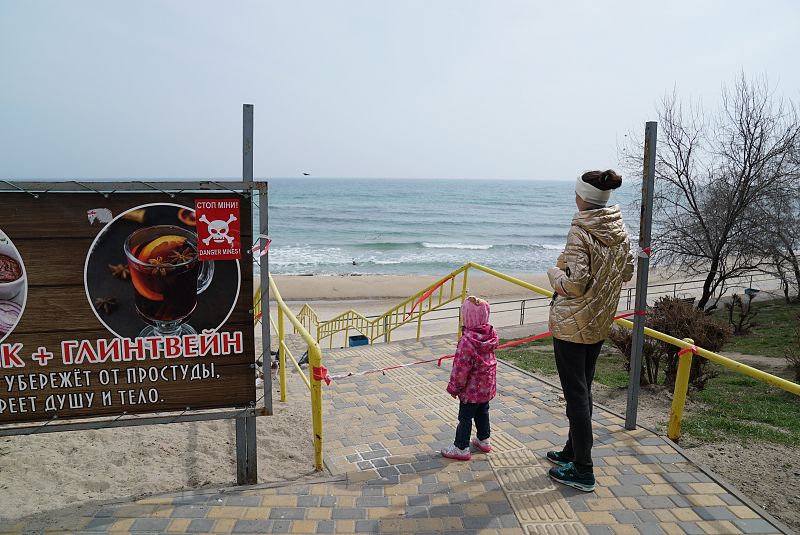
(452, 452)
(484, 445)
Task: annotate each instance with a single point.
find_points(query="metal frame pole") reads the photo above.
(246, 443)
(643, 262)
(247, 143)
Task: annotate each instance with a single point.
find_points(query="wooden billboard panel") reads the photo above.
(80, 346)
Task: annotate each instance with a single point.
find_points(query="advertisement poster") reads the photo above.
(107, 305)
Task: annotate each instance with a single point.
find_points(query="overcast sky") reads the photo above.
(471, 89)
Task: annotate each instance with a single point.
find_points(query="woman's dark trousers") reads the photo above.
(576, 364)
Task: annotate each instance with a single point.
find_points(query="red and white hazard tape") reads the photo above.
(321, 373)
(641, 252)
(257, 247)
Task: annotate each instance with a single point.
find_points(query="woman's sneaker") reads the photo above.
(484, 445)
(452, 452)
(558, 458)
(570, 476)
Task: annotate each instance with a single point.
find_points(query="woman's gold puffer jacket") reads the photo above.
(591, 271)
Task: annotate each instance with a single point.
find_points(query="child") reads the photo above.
(473, 379)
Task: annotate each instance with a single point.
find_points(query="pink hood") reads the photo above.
(475, 314)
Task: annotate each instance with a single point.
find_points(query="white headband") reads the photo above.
(591, 194)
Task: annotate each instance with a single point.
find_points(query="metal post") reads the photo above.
(386, 329)
(247, 142)
(315, 361)
(645, 223)
(679, 397)
(246, 456)
(246, 446)
(522, 312)
(241, 451)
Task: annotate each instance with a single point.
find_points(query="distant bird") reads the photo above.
(306, 174)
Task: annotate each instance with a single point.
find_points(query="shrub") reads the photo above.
(679, 319)
(652, 354)
(744, 311)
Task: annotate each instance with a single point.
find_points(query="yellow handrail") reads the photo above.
(731, 364)
(308, 317)
(289, 354)
(414, 307)
(314, 362)
(408, 310)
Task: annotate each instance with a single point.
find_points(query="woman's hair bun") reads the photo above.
(603, 180)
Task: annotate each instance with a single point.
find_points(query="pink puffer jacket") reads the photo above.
(474, 375)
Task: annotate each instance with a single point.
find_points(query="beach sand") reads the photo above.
(44, 476)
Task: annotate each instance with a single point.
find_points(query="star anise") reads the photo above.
(106, 304)
(181, 257)
(158, 266)
(120, 271)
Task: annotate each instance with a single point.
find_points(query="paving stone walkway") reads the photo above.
(382, 434)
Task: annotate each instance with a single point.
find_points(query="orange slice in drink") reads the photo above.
(162, 246)
(142, 289)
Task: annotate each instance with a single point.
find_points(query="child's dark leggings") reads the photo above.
(466, 413)
(576, 363)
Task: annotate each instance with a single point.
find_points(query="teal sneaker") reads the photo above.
(569, 475)
(558, 458)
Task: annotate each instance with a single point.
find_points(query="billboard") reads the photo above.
(125, 304)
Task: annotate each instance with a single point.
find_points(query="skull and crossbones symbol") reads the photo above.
(218, 229)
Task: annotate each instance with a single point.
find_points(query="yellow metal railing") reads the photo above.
(314, 361)
(427, 300)
(445, 291)
(684, 363)
(309, 319)
(454, 287)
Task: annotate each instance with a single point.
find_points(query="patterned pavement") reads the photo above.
(381, 442)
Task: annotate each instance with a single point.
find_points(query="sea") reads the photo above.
(423, 227)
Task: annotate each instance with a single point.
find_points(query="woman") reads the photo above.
(587, 280)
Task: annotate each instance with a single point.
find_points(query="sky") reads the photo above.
(404, 89)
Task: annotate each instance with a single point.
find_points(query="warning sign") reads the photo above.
(218, 236)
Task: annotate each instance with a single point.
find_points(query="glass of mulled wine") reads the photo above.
(166, 276)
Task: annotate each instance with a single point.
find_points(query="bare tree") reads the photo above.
(712, 170)
(777, 220)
